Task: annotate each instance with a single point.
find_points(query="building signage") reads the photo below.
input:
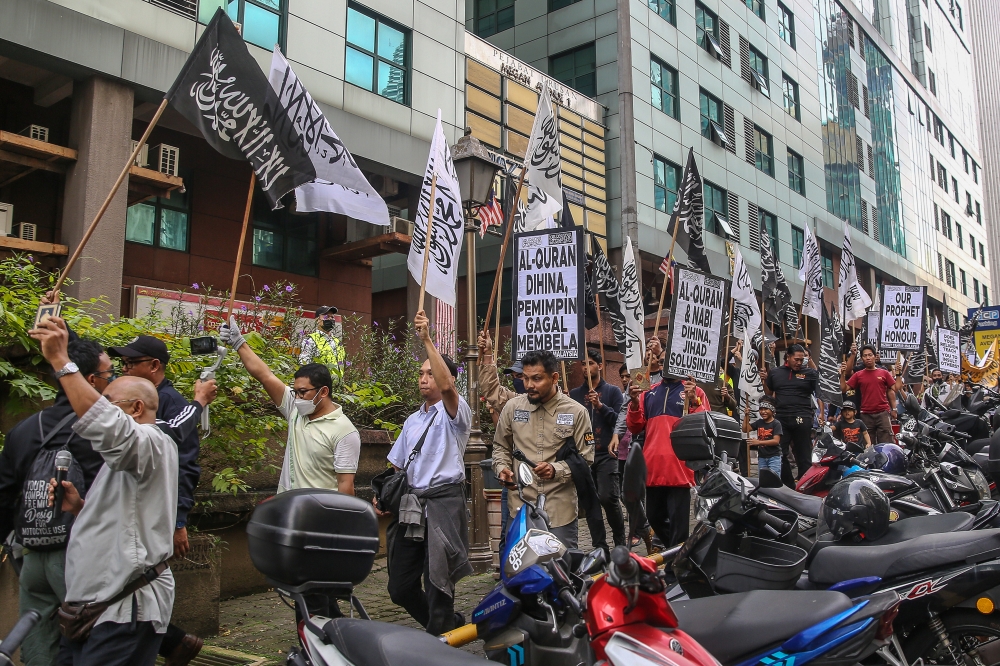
(902, 322)
(549, 305)
(949, 351)
(987, 328)
(696, 325)
(528, 76)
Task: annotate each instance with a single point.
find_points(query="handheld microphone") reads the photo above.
(63, 460)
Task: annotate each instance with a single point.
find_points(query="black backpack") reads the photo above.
(37, 529)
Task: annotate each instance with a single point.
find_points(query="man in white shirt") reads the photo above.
(431, 538)
(125, 528)
(323, 445)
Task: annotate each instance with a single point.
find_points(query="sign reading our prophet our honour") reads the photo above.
(549, 293)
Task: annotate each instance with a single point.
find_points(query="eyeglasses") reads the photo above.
(301, 393)
(110, 378)
(118, 402)
(129, 363)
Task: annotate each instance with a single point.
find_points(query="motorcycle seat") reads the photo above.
(807, 505)
(732, 626)
(904, 530)
(369, 643)
(835, 564)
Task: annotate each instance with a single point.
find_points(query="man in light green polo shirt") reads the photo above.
(323, 445)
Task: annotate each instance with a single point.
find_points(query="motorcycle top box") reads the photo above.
(314, 536)
(705, 436)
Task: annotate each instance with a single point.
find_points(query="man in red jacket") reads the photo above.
(668, 480)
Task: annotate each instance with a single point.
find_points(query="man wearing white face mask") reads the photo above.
(323, 445)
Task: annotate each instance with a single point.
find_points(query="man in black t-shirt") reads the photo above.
(792, 386)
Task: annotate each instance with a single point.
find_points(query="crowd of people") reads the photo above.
(94, 548)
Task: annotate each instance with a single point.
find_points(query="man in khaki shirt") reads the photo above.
(538, 423)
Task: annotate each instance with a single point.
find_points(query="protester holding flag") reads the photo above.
(544, 171)
(668, 480)
(777, 297)
(878, 394)
(793, 386)
(687, 223)
(811, 274)
(603, 402)
(853, 301)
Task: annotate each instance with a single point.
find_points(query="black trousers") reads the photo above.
(607, 480)
(113, 644)
(795, 438)
(668, 510)
(408, 562)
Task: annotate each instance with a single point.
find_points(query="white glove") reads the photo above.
(230, 334)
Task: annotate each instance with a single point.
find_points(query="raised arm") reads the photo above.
(439, 369)
(53, 337)
(231, 335)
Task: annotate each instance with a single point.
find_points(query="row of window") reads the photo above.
(953, 231)
(281, 240)
(961, 282)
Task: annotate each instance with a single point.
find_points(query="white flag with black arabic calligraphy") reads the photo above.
(340, 187)
(631, 304)
(448, 227)
(746, 312)
(853, 300)
(811, 273)
(544, 171)
(751, 385)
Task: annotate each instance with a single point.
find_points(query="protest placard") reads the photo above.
(949, 351)
(549, 279)
(902, 322)
(698, 308)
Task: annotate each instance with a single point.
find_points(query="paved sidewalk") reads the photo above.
(260, 624)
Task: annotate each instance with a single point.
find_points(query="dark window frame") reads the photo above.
(285, 224)
(666, 71)
(591, 46)
(240, 17)
(479, 16)
(160, 204)
(759, 71)
(798, 243)
(786, 25)
(707, 39)
(756, 8)
(787, 81)
(764, 159)
(711, 214)
(408, 56)
(797, 174)
(769, 225)
(712, 128)
(665, 9)
(667, 166)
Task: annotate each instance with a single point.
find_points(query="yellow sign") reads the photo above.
(984, 339)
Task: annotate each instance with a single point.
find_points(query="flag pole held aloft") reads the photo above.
(243, 238)
(427, 244)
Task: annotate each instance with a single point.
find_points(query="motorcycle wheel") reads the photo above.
(975, 634)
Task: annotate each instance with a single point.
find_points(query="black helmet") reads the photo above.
(856, 506)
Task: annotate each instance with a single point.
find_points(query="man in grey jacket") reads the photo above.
(125, 528)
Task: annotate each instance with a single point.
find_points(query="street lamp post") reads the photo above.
(476, 173)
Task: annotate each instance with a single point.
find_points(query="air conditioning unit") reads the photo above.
(27, 231)
(165, 159)
(6, 219)
(142, 159)
(401, 225)
(36, 132)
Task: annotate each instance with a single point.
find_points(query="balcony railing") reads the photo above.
(186, 8)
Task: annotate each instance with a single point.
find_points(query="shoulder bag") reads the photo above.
(77, 620)
(390, 486)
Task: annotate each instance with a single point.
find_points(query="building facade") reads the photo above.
(984, 18)
(800, 113)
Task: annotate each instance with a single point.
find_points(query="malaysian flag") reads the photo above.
(490, 214)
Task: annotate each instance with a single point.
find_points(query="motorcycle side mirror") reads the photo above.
(769, 479)
(634, 477)
(593, 563)
(524, 475)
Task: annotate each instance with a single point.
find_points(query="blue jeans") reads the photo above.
(772, 463)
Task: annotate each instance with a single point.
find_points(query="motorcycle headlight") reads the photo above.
(980, 482)
(703, 506)
(817, 455)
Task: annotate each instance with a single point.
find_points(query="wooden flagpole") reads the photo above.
(496, 337)
(503, 248)
(565, 379)
(763, 339)
(243, 238)
(663, 290)
(107, 200)
(427, 245)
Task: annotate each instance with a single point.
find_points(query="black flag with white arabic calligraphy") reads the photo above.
(606, 284)
(222, 91)
(689, 211)
(774, 288)
(829, 363)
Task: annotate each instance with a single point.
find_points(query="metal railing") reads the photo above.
(185, 8)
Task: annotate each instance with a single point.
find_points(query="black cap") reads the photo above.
(849, 405)
(325, 309)
(144, 345)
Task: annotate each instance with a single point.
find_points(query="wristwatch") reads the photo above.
(67, 369)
